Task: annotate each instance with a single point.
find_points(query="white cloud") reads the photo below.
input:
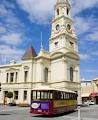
(90, 70)
(95, 53)
(41, 10)
(11, 39)
(7, 50)
(2, 29)
(8, 53)
(84, 56)
(81, 25)
(93, 36)
(9, 18)
(38, 10)
(80, 5)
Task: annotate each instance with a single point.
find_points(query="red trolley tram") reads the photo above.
(52, 101)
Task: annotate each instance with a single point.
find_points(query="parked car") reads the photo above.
(91, 102)
(86, 103)
(83, 105)
(12, 104)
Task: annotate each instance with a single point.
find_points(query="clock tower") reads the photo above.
(63, 37)
(63, 49)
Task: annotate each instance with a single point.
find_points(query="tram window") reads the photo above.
(70, 96)
(56, 95)
(38, 95)
(45, 95)
(34, 95)
(51, 96)
(48, 97)
(62, 95)
(67, 95)
(73, 96)
(42, 95)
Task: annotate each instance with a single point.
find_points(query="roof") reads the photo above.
(56, 89)
(85, 94)
(29, 54)
(44, 53)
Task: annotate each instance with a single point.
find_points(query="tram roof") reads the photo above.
(44, 88)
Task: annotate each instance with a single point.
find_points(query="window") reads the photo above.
(57, 27)
(25, 76)
(71, 73)
(71, 44)
(46, 75)
(34, 95)
(5, 93)
(57, 11)
(11, 77)
(25, 95)
(67, 11)
(56, 44)
(16, 95)
(7, 76)
(56, 95)
(69, 27)
(16, 77)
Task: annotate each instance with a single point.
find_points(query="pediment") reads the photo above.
(12, 69)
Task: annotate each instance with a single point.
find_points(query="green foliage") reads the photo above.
(9, 94)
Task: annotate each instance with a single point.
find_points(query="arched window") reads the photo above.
(57, 11)
(71, 73)
(67, 11)
(46, 75)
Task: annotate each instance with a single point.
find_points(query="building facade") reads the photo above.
(89, 90)
(57, 68)
(86, 89)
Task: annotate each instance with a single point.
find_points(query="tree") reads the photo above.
(10, 95)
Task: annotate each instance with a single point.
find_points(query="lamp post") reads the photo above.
(79, 112)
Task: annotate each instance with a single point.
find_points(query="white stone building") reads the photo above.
(57, 68)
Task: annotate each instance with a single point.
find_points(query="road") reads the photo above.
(18, 113)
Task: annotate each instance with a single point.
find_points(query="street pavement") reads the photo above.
(22, 113)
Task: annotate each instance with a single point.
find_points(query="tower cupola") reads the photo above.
(62, 8)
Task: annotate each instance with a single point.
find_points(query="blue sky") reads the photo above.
(22, 21)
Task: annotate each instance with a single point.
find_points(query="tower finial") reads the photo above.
(62, 1)
(41, 42)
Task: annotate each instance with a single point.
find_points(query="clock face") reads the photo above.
(68, 28)
(57, 27)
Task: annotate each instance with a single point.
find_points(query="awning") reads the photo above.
(94, 94)
(85, 95)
